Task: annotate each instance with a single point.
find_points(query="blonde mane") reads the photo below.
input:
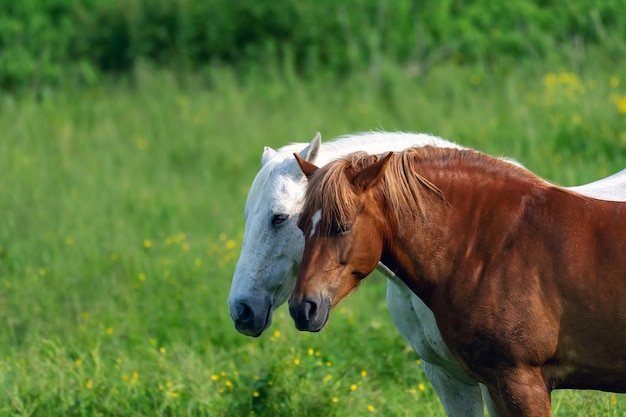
(331, 191)
(403, 190)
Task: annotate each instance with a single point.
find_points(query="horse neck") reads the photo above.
(415, 252)
(427, 250)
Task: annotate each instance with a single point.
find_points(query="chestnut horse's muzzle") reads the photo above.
(310, 314)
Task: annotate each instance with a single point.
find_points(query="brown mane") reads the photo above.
(402, 188)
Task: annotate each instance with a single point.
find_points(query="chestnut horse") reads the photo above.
(526, 280)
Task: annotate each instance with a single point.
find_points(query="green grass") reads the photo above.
(122, 221)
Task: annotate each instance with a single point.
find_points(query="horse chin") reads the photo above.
(310, 316)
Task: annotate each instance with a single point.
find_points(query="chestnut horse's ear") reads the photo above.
(371, 175)
(307, 168)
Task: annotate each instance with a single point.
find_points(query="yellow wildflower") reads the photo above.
(549, 79)
(621, 105)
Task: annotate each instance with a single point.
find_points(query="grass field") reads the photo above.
(122, 222)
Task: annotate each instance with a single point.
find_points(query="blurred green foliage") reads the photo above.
(52, 42)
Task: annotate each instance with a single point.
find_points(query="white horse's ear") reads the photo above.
(310, 153)
(268, 153)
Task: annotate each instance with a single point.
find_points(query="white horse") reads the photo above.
(272, 248)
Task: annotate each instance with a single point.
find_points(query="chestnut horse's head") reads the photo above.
(344, 234)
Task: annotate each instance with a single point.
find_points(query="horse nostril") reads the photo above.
(309, 308)
(244, 313)
(310, 314)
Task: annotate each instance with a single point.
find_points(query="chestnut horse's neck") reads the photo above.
(475, 194)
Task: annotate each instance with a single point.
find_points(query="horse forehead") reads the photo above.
(280, 192)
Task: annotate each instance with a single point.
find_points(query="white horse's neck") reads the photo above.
(370, 142)
(282, 161)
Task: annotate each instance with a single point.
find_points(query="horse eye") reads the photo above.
(279, 219)
(343, 229)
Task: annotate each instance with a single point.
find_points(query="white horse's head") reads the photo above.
(272, 245)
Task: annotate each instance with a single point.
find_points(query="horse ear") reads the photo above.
(371, 175)
(310, 153)
(307, 168)
(268, 153)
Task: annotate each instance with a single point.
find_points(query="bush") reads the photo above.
(77, 42)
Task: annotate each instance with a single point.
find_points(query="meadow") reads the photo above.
(122, 222)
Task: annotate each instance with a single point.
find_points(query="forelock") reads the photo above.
(330, 190)
(330, 193)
